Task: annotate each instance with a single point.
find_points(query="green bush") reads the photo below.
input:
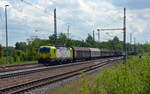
(10, 60)
(2, 61)
(17, 59)
(130, 78)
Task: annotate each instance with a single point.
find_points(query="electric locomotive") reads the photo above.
(58, 54)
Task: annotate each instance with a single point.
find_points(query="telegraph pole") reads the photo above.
(93, 36)
(6, 34)
(130, 41)
(124, 38)
(98, 34)
(68, 31)
(134, 44)
(55, 27)
(124, 35)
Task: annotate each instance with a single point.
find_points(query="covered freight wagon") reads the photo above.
(95, 52)
(105, 53)
(81, 53)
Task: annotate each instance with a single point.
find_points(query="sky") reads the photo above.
(30, 18)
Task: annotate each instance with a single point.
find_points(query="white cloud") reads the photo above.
(139, 20)
(83, 16)
(3, 3)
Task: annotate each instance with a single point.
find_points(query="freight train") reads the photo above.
(50, 55)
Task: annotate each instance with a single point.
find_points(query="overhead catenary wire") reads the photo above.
(1, 17)
(50, 13)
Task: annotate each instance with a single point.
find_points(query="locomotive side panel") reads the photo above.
(63, 52)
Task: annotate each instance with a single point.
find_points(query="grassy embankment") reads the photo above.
(11, 62)
(130, 78)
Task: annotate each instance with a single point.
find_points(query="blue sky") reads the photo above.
(27, 16)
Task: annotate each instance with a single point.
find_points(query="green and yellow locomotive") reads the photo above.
(52, 54)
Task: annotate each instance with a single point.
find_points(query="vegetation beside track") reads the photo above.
(28, 51)
(74, 87)
(16, 63)
(130, 78)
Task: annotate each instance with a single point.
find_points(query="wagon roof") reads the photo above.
(81, 48)
(94, 49)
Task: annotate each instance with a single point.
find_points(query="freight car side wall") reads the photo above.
(95, 52)
(81, 53)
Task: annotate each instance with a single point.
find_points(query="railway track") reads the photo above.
(19, 67)
(36, 70)
(44, 77)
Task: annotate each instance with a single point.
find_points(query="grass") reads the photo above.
(75, 86)
(130, 78)
(17, 63)
(14, 61)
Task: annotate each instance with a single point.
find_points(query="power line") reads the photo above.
(50, 13)
(29, 3)
(2, 16)
(26, 2)
(124, 35)
(39, 8)
(110, 29)
(109, 35)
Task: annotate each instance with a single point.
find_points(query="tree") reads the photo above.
(21, 46)
(90, 41)
(62, 39)
(31, 52)
(115, 43)
(52, 39)
(10, 51)
(19, 55)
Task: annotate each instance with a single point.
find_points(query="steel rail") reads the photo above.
(30, 71)
(19, 67)
(20, 88)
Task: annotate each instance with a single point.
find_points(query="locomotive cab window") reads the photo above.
(44, 50)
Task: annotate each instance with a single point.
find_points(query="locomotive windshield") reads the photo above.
(44, 50)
